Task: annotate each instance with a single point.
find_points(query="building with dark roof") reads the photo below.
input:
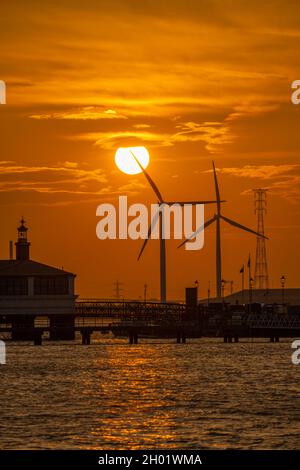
(286, 296)
(29, 289)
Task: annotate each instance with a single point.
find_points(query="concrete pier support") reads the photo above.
(181, 337)
(228, 339)
(86, 337)
(37, 338)
(22, 327)
(133, 337)
(62, 327)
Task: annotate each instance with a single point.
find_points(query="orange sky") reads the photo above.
(191, 80)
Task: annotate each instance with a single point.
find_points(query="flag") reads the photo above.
(242, 269)
(249, 261)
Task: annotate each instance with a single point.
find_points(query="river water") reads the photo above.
(154, 395)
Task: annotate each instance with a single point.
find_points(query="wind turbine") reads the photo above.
(159, 215)
(217, 218)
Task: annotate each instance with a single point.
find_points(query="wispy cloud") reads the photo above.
(141, 126)
(261, 171)
(213, 134)
(250, 109)
(82, 113)
(67, 183)
(112, 139)
(63, 173)
(282, 180)
(132, 188)
(67, 179)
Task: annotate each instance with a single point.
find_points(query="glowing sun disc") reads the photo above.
(126, 162)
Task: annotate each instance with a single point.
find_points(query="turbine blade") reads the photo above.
(150, 181)
(143, 247)
(242, 227)
(202, 227)
(216, 183)
(192, 203)
(152, 225)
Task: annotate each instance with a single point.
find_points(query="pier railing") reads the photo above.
(273, 321)
(105, 315)
(130, 310)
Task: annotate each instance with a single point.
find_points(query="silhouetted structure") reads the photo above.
(217, 218)
(191, 296)
(159, 218)
(261, 296)
(117, 290)
(261, 278)
(29, 289)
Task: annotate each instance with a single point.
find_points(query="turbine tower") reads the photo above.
(217, 218)
(160, 216)
(261, 278)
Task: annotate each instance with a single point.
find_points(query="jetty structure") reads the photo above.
(38, 301)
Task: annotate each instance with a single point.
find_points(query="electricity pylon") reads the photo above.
(261, 277)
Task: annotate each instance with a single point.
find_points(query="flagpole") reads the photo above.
(242, 272)
(249, 269)
(249, 281)
(243, 282)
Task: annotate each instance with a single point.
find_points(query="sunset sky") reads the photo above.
(193, 81)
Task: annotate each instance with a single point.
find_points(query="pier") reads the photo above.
(135, 320)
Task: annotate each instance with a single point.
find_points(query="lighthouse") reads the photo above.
(22, 244)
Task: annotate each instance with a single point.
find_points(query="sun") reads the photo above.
(126, 162)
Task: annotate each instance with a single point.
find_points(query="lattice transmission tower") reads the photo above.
(117, 288)
(261, 277)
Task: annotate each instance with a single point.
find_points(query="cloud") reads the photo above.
(213, 134)
(111, 140)
(288, 189)
(261, 171)
(132, 188)
(62, 173)
(82, 113)
(67, 179)
(141, 126)
(146, 56)
(64, 184)
(282, 180)
(250, 109)
(68, 164)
